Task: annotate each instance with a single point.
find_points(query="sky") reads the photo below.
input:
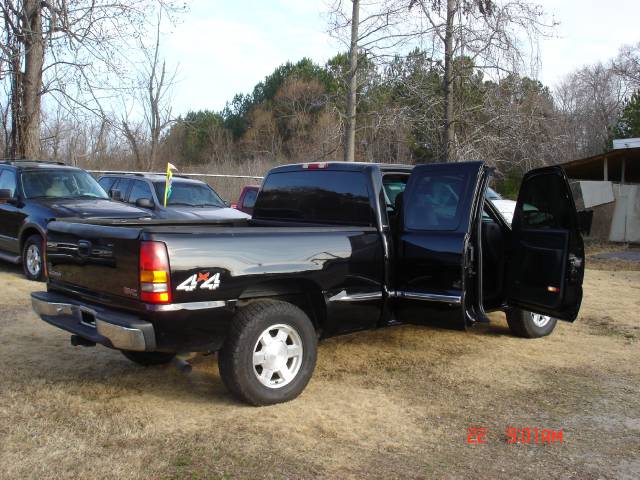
(224, 47)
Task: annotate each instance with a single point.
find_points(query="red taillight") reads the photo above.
(315, 166)
(155, 286)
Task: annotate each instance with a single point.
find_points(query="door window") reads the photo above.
(8, 181)
(122, 185)
(139, 190)
(107, 182)
(544, 204)
(435, 201)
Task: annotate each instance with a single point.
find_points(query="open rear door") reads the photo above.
(434, 252)
(546, 262)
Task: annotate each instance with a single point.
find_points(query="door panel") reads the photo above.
(546, 263)
(432, 242)
(11, 216)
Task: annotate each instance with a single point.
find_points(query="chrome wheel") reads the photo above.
(277, 356)
(540, 320)
(34, 260)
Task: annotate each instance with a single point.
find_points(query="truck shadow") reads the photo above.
(11, 269)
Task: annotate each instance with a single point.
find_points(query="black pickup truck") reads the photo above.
(332, 248)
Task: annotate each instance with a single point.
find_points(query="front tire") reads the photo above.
(33, 259)
(269, 354)
(148, 359)
(525, 324)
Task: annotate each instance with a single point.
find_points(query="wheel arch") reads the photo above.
(28, 230)
(305, 294)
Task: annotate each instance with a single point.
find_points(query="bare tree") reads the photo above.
(627, 65)
(589, 102)
(66, 50)
(498, 37)
(350, 130)
(151, 94)
(372, 34)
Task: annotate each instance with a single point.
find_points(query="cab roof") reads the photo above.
(38, 164)
(154, 177)
(343, 166)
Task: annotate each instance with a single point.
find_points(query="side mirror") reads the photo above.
(6, 196)
(585, 219)
(227, 203)
(145, 203)
(116, 195)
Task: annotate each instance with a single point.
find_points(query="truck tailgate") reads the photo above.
(97, 258)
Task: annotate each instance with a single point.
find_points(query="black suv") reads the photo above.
(32, 193)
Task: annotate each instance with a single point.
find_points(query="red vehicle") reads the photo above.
(247, 199)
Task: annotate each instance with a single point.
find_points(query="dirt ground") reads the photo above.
(395, 403)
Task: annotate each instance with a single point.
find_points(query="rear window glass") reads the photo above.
(316, 196)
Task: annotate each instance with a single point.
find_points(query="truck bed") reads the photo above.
(98, 259)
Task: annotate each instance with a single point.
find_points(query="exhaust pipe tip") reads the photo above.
(182, 365)
(78, 341)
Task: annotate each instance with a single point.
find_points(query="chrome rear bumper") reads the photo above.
(114, 329)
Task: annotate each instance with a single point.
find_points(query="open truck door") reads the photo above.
(545, 267)
(435, 255)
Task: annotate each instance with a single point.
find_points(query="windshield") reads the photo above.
(189, 194)
(60, 184)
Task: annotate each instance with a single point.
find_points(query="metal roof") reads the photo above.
(593, 168)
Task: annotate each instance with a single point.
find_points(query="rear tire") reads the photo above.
(525, 324)
(148, 359)
(270, 353)
(33, 258)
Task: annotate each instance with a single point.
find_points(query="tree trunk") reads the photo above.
(350, 130)
(448, 84)
(29, 122)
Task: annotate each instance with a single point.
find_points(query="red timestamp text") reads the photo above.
(518, 435)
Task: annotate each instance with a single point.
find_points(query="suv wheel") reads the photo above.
(32, 258)
(270, 353)
(523, 323)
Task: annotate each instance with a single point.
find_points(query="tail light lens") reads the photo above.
(155, 284)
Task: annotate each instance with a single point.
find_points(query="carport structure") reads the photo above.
(609, 185)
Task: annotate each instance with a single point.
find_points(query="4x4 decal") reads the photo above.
(209, 282)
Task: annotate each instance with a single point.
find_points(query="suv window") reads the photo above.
(122, 185)
(8, 181)
(107, 182)
(139, 190)
(316, 196)
(435, 200)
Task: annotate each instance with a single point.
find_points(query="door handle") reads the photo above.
(84, 248)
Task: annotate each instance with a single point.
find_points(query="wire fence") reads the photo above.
(228, 186)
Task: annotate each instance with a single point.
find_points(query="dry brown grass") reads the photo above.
(394, 403)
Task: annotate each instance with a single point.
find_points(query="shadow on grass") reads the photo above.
(11, 269)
